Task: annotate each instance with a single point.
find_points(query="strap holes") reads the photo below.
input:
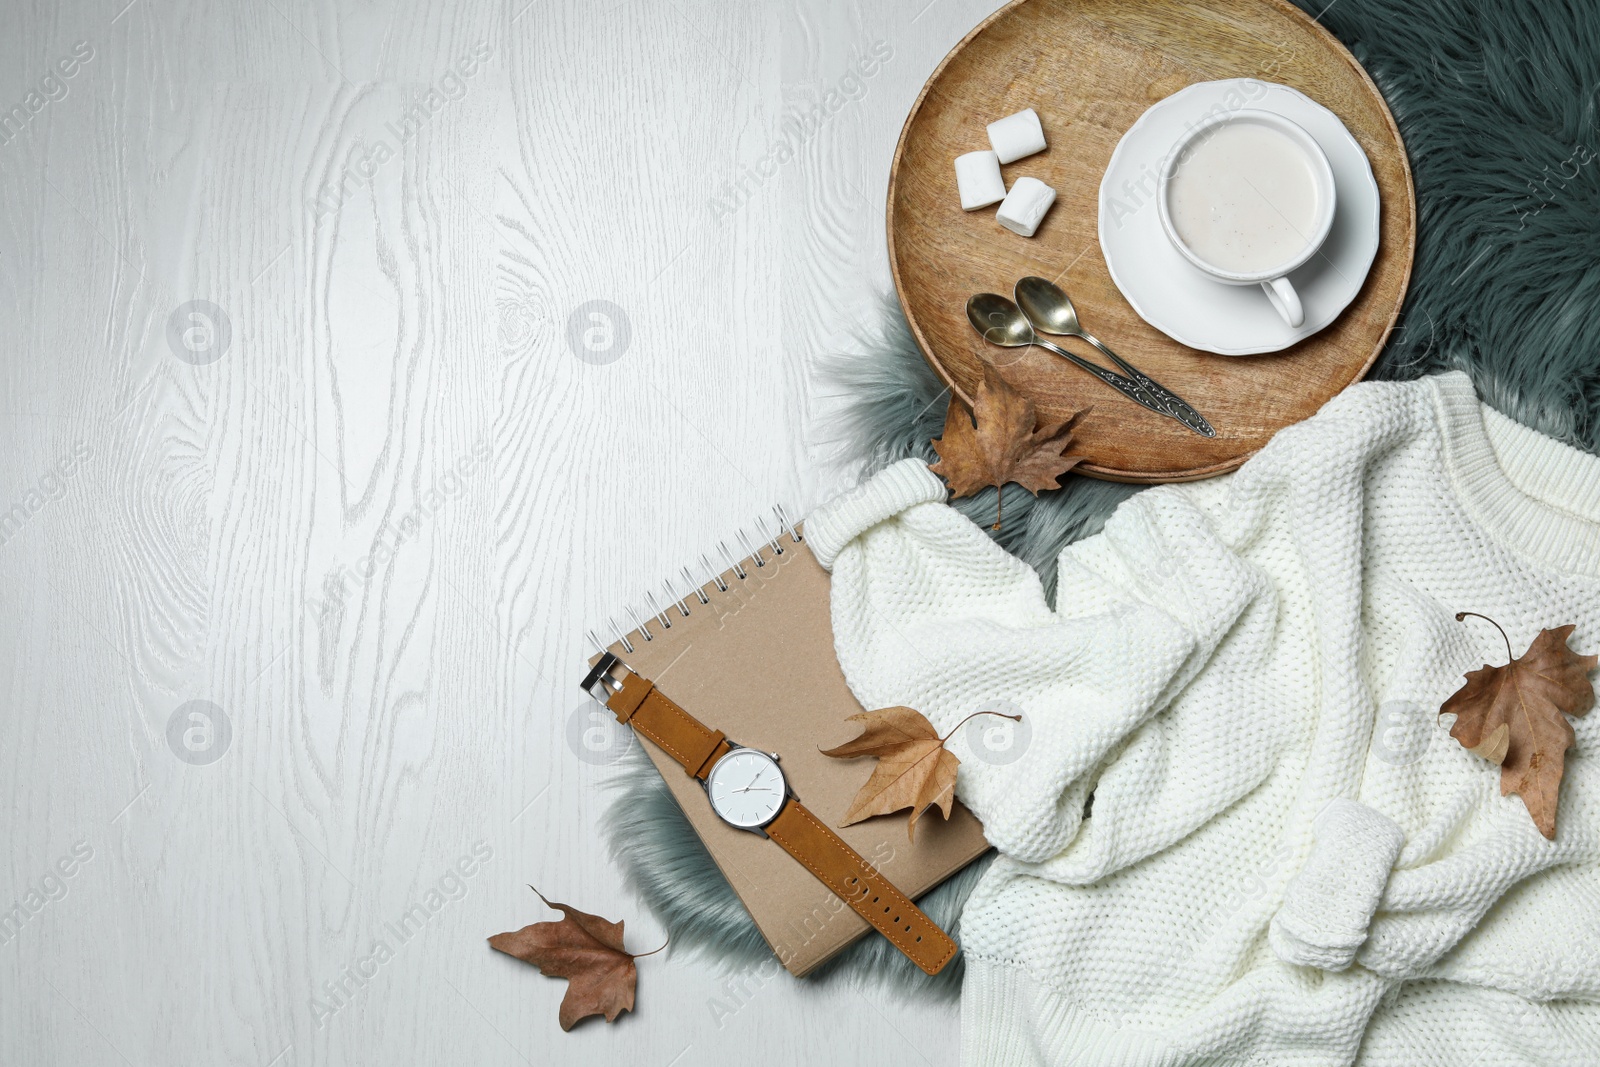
(919, 936)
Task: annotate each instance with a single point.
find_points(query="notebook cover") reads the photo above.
(757, 662)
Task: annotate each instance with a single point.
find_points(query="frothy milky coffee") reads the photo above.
(1244, 198)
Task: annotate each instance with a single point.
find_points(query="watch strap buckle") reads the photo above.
(599, 682)
(681, 736)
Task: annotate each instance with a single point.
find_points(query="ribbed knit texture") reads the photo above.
(892, 491)
(1225, 662)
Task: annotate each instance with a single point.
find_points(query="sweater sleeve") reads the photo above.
(930, 613)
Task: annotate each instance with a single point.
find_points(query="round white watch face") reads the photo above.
(746, 788)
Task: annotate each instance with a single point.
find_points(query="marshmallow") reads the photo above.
(1017, 135)
(1025, 205)
(978, 178)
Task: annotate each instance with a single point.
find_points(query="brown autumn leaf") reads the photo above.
(587, 951)
(914, 769)
(1513, 716)
(1007, 444)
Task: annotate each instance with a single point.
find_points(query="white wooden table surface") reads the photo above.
(362, 501)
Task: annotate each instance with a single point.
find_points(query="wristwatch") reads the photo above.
(747, 790)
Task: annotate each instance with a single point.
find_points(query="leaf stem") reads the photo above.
(999, 504)
(652, 952)
(974, 715)
(1460, 615)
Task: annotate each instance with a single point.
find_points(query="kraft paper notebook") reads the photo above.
(750, 652)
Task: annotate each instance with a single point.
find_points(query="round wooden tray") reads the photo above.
(1090, 68)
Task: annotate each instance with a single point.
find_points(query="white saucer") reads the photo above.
(1174, 297)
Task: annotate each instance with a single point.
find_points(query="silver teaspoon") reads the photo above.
(1049, 308)
(1002, 323)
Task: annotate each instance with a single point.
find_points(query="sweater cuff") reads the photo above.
(1329, 903)
(892, 490)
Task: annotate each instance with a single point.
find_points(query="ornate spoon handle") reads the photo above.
(1129, 388)
(1171, 403)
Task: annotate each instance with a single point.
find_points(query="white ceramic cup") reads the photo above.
(1273, 279)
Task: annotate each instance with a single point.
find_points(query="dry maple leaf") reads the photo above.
(587, 951)
(1007, 444)
(914, 769)
(1512, 716)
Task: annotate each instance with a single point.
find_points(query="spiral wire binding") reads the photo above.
(738, 568)
(661, 616)
(716, 576)
(785, 525)
(627, 646)
(699, 590)
(751, 553)
(752, 541)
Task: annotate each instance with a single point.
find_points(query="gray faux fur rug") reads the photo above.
(1496, 100)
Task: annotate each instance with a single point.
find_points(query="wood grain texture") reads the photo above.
(1091, 68)
(373, 532)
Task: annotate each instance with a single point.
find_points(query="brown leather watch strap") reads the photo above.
(647, 709)
(858, 884)
(637, 701)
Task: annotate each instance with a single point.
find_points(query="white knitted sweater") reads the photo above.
(1288, 859)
